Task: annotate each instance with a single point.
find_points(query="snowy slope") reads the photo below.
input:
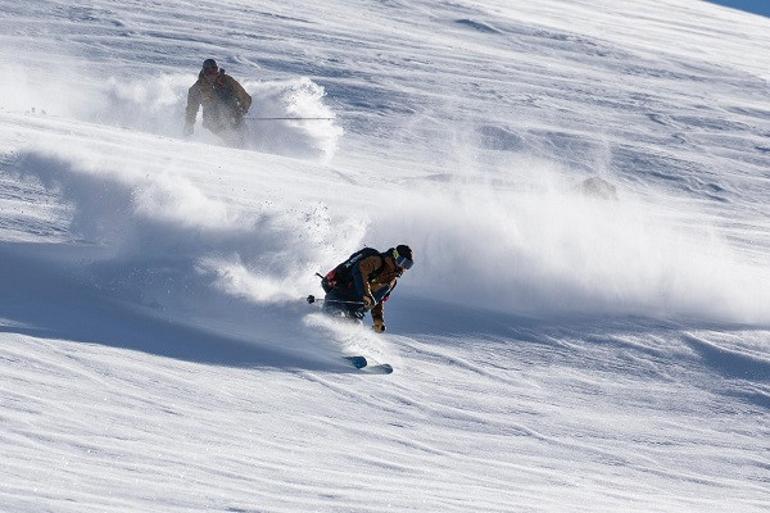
(584, 185)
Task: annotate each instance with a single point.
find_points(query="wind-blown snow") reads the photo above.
(550, 247)
(584, 186)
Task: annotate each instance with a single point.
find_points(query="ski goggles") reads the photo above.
(403, 262)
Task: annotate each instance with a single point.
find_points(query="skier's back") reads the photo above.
(364, 282)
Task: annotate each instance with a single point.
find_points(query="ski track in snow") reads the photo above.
(584, 184)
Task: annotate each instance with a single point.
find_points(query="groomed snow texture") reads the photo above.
(585, 187)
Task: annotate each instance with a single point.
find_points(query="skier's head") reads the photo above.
(209, 68)
(402, 255)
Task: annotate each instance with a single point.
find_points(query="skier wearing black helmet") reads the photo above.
(364, 282)
(225, 102)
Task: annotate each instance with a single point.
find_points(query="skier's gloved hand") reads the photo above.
(379, 326)
(369, 302)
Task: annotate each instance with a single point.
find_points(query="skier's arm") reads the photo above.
(361, 273)
(244, 99)
(193, 104)
(378, 314)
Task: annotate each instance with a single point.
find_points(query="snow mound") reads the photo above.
(315, 137)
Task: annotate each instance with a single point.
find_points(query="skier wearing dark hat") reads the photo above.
(225, 102)
(364, 282)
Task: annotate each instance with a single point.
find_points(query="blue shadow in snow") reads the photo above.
(730, 364)
(541, 341)
(41, 298)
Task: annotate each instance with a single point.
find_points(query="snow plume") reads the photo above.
(54, 88)
(354, 338)
(162, 237)
(547, 245)
(157, 105)
(301, 98)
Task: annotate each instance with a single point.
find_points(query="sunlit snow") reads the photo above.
(584, 185)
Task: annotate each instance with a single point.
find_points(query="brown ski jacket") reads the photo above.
(224, 102)
(377, 273)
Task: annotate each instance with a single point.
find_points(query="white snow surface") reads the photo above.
(584, 185)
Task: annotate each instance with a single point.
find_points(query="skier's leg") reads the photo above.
(333, 304)
(343, 303)
(241, 128)
(235, 132)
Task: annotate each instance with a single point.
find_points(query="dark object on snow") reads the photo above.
(359, 362)
(599, 188)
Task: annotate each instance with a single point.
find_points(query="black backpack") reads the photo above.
(342, 275)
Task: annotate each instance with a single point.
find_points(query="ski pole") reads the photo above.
(291, 119)
(312, 299)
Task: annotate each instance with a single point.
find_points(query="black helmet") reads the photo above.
(209, 64)
(403, 256)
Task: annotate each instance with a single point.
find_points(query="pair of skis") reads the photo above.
(361, 363)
